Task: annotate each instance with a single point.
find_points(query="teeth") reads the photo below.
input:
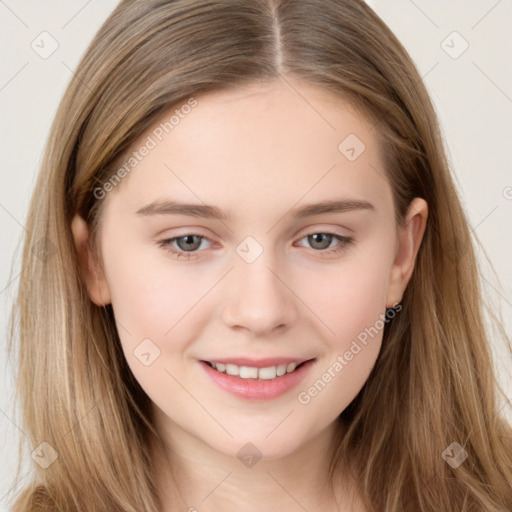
(267, 373)
(247, 372)
(281, 370)
(250, 372)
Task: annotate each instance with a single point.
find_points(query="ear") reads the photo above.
(410, 235)
(91, 270)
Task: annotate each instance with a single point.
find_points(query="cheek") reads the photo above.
(351, 297)
(153, 298)
(158, 311)
(351, 301)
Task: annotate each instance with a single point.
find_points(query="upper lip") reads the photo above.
(258, 363)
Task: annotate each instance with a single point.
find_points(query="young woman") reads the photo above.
(236, 291)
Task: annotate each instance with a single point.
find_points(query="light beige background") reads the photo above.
(472, 91)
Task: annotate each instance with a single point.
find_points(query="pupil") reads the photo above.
(188, 240)
(320, 235)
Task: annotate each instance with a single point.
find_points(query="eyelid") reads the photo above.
(309, 230)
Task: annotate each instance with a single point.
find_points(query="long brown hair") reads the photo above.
(433, 383)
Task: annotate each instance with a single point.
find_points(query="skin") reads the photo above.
(257, 152)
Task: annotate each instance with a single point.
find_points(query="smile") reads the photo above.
(251, 372)
(263, 382)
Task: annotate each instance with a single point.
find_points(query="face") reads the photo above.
(251, 274)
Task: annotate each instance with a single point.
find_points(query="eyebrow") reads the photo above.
(169, 207)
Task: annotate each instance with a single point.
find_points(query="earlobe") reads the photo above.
(90, 269)
(410, 235)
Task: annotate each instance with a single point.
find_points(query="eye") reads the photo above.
(187, 245)
(320, 241)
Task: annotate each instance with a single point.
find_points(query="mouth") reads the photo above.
(258, 380)
(260, 371)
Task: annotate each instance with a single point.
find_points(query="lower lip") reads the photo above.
(258, 389)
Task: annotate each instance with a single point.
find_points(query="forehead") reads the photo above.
(257, 147)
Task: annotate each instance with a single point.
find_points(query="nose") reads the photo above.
(260, 301)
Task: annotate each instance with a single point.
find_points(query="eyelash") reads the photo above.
(343, 243)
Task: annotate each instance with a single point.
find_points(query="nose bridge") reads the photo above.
(260, 301)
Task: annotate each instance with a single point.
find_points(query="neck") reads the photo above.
(190, 475)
